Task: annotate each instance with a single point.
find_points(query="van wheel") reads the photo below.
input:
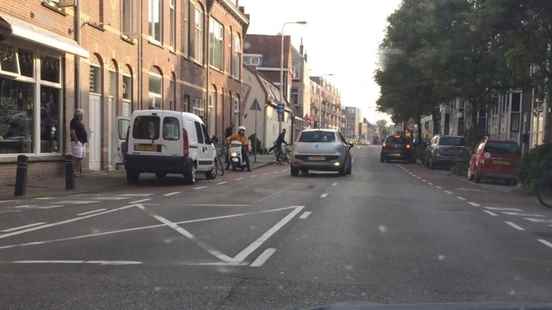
(190, 176)
(132, 176)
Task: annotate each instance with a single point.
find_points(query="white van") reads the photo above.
(163, 142)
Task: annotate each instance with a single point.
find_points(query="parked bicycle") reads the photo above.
(220, 157)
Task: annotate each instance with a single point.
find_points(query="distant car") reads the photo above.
(495, 159)
(322, 150)
(445, 151)
(397, 148)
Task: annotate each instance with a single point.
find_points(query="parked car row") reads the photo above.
(490, 159)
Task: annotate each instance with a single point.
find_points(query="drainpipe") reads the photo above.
(77, 34)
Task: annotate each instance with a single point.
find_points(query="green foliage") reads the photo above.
(534, 164)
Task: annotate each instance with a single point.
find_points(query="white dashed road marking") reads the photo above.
(515, 226)
(90, 212)
(461, 198)
(474, 204)
(259, 261)
(22, 227)
(324, 195)
(449, 192)
(490, 213)
(92, 262)
(522, 214)
(222, 183)
(141, 201)
(78, 202)
(171, 194)
(334, 184)
(305, 215)
(200, 188)
(438, 187)
(502, 209)
(136, 195)
(44, 198)
(546, 243)
(541, 221)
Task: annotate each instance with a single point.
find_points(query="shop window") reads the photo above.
(16, 116)
(26, 63)
(50, 69)
(8, 59)
(197, 108)
(50, 138)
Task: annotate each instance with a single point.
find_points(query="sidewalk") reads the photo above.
(91, 182)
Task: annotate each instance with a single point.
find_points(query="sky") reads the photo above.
(341, 38)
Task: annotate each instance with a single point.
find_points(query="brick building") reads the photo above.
(326, 104)
(181, 55)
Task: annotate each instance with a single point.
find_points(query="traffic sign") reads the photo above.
(255, 106)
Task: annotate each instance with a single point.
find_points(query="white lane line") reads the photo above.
(90, 212)
(541, 221)
(515, 226)
(141, 201)
(438, 187)
(78, 202)
(6, 201)
(136, 195)
(39, 207)
(502, 209)
(76, 219)
(461, 198)
(44, 198)
(240, 257)
(474, 204)
(239, 179)
(22, 227)
(424, 180)
(305, 215)
(449, 192)
(111, 198)
(546, 243)
(227, 205)
(261, 259)
(172, 194)
(141, 228)
(334, 184)
(522, 214)
(490, 213)
(222, 183)
(324, 195)
(216, 253)
(199, 188)
(430, 184)
(93, 262)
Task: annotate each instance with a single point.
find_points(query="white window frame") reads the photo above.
(128, 101)
(129, 33)
(198, 41)
(172, 21)
(237, 53)
(156, 97)
(216, 44)
(38, 82)
(152, 34)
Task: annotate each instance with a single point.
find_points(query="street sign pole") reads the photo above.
(255, 106)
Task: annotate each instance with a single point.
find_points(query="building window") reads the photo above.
(172, 13)
(95, 79)
(127, 95)
(216, 44)
(212, 113)
(186, 103)
(127, 9)
(155, 90)
(155, 20)
(172, 104)
(30, 108)
(254, 60)
(236, 56)
(185, 24)
(236, 110)
(197, 107)
(197, 28)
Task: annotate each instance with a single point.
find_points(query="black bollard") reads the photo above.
(69, 175)
(21, 177)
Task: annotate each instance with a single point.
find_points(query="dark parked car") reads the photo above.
(495, 159)
(445, 151)
(397, 148)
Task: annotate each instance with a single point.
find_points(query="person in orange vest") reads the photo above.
(240, 136)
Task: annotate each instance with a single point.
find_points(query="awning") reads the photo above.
(11, 26)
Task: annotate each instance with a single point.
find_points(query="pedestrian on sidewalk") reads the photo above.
(79, 139)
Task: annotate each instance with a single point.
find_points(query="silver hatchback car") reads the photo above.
(322, 150)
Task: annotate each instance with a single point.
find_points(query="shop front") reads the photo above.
(32, 92)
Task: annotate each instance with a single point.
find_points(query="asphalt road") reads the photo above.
(390, 233)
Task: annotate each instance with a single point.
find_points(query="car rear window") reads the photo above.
(502, 148)
(317, 136)
(455, 141)
(396, 140)
(146, 128)
(171, 128)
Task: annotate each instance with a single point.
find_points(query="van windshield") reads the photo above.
(146, 128)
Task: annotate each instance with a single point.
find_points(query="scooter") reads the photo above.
(236, 156)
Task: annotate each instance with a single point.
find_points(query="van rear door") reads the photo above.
(123, 124)
(171, 133)
(146, 135)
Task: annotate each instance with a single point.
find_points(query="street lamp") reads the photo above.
(282, 66)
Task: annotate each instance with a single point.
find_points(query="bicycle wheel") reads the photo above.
(544, 191)
(219, 166)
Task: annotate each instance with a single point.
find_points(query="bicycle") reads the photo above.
(220, 159)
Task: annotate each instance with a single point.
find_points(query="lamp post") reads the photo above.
(282, 67)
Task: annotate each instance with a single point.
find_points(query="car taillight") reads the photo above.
(408, 146)
(185, 143)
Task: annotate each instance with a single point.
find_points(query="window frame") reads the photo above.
(197, 50)
(152, 34)
(171, 118)
(155, 95)
(172, 24)
(236, 59)
(128, 33)
(216, 44)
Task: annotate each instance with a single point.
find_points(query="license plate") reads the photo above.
(502, 163)
(396, 155)
(145, 147)
(317, 158)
